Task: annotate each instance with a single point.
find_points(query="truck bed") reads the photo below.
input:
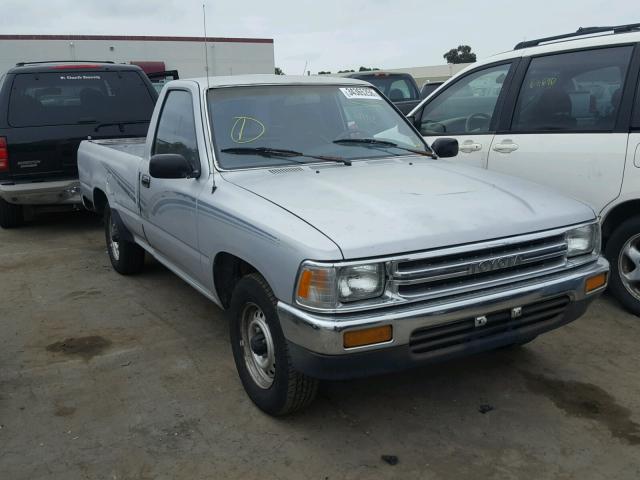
(132, 146)
(110, 167)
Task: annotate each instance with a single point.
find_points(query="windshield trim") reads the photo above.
(214, 149)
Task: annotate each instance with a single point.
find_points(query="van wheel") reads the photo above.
(11, 215)
(260, 351)
(623, 253)
(127, 258)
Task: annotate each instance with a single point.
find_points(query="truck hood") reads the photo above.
(392, 206)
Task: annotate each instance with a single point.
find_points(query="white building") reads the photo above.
(227, 56)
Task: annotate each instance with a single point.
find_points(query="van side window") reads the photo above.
(176, 131)
(577, 91)
(467, 106)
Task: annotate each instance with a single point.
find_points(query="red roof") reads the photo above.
(138, 38)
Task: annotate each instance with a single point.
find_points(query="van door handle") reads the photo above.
(505, 147)
(470, 147)
(145, 180)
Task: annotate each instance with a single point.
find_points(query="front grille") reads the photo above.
(455, 334)
(441, 275)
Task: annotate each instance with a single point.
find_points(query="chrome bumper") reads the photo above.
(42, 193)
(323, 334)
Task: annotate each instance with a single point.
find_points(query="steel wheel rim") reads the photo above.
(629, 266)
(254, 328)
(114, 240)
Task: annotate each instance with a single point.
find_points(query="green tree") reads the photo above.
(278, 71)
(324, 73)
(346, 71)
(462, 54)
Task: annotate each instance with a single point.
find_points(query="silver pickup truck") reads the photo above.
(340, 244)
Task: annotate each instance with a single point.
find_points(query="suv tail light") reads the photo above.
(4, 155)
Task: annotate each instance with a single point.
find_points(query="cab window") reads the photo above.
(576, 91)
(467, 106)
(176, 131)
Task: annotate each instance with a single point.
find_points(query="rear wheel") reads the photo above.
(126, 257)
(260, 351)
(623, 253)
(11, 215)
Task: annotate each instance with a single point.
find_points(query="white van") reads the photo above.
(563, 111)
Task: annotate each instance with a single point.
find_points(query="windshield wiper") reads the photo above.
(120, 125)
(282, 153)
(374, 142)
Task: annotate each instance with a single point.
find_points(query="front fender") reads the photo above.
(269, 238)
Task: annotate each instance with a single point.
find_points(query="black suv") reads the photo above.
(46, 109)
(400, 88)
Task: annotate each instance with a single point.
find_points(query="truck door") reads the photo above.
(566, 129)
(464, 110)
(168, 206)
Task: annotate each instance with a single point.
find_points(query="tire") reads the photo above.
(623, 253)
(267, 375)
(127, 258)
(11, 215)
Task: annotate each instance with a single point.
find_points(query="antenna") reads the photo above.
(206, 52)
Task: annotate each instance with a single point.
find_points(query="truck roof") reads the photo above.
(268, 79)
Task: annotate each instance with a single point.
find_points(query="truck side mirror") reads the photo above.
(445, 147)
(169, 165)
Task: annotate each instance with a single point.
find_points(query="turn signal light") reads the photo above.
(368, 336)
(595, 282)
(4, 155)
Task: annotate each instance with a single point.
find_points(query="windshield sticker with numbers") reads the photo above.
(360, 92)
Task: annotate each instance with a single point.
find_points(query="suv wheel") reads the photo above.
(260, 351)
(623, 253)
(126, 257)
(11, 215)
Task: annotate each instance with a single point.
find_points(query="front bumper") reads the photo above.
(65, 192)
(316, 340)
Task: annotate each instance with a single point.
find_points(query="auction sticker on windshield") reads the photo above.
(360, 92)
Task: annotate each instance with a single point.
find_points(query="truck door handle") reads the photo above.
(505, 147)
(470, 147)
(145, 180)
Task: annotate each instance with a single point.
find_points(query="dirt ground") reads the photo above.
(111, 377)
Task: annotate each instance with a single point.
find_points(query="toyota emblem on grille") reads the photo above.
(496, 263)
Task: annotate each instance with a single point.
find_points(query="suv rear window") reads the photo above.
(68, 98)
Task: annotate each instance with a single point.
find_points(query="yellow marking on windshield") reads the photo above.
(255, 126)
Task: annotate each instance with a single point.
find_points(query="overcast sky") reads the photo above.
(329, 34)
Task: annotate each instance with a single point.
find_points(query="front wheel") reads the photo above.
(260, 351)
(11, 215)
(623, 253)
(126, 257)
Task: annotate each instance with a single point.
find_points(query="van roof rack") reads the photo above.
(578, 33)
(22, 64)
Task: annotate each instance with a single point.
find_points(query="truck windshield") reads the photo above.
(69, 98)
(343, 122)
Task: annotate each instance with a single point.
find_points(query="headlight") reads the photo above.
(322, 286)
(583, 240)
